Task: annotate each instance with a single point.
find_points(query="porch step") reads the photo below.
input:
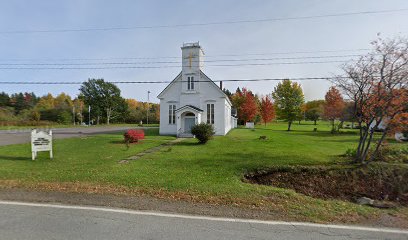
(185, 135)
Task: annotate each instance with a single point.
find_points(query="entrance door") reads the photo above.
(188, 123)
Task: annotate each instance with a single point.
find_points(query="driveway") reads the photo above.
(20, 220)
(8, 137)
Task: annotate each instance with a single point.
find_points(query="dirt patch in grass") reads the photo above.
(379, 182)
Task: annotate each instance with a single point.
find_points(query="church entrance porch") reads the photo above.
(187, 117)
(189, 122)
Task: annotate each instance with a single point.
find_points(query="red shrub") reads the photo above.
(134, 135)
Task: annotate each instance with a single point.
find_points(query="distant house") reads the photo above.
(381, 126)
(193, 98)
(399, 136)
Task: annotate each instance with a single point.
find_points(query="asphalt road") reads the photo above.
(46, 221)
(8, 137)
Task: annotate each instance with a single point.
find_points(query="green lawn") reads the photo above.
(211, 172)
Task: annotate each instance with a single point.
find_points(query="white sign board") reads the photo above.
(249, 125)
(40, 142)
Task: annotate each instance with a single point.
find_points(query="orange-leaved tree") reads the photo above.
(377, 84)
(333, 107)
(387, 110)
(248, 108)
(267, 110)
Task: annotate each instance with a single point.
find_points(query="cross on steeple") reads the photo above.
(192, 56)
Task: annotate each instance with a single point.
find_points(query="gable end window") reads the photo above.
(190, 83)
(210, 113)
(172, 114)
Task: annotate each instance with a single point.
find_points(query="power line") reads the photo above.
(161, 82)
(275, 63)
(291, 52)
(167, 66)
(204, 24)
(167, 62)
(164, 57)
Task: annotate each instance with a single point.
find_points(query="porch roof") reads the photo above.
(195, 109)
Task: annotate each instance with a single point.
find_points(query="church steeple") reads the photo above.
(192, 63)
(192, 57)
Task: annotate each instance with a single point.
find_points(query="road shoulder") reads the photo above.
(142, 202)
(147, 203)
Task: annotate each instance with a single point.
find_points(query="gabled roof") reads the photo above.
(191, 107)
(168, 86)
(201, 72)
(216, 86)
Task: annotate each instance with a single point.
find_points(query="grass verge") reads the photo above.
(210, 173)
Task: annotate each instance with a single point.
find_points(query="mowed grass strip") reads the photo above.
(211, 172)
(89, 158)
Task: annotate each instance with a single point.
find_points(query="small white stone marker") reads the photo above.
(249, 125)
(41, 142)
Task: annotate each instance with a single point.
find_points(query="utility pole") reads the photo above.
(73, 114)
(148, 107)
(89, 115)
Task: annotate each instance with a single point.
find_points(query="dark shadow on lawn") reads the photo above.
(327, 133)
(310, 132)
(123, 145)
(343, 140)
(320, 133)
(122, 142)
(13, 158)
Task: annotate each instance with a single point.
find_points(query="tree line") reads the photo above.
(102, 98)
(376, 91)
(287, 103)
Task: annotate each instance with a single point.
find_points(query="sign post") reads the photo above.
(148, 108)
(89, 115)
(41, 142)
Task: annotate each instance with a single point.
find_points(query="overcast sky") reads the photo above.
(268, 38)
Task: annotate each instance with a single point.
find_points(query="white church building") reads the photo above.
(193, 98)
